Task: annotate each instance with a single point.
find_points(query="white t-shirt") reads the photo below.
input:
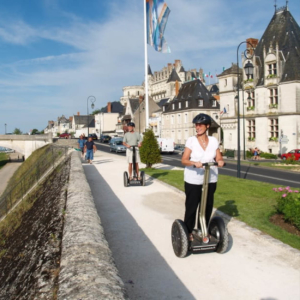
(196, 175)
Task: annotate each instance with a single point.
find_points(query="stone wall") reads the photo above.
(87, 266)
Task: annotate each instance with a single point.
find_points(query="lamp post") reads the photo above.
(249, 72)
(5, 128)
(92, 99)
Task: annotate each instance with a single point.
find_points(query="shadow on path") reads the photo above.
(143, 270)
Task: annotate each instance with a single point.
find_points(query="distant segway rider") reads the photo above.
(199, 149)
(132, 138)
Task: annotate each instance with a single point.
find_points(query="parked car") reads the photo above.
(94, 136)
(117, 146)
(294, 153)
(105, 138)
(65, 136)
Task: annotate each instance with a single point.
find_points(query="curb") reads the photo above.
(87, 268)
(233, 220)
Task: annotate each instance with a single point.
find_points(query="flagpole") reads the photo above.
(146, 66)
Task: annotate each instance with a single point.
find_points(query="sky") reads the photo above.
(54, 54)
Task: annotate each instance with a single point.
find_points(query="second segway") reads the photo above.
(135, 179)
(213, 238)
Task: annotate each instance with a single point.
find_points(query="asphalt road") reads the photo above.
(250, 172)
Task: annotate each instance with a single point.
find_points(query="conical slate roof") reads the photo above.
(149, 70)
(173, 76)
(181, 69)
(284, 30)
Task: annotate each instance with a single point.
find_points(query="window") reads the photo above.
(214, 103)
(251, 99)
(185, 118)
(225, 82)
(128, 93)
(251, 130)
(272, 69)
(273, 127)
(164, 108)
(179, 105)
(200, 102)
(173, 106)
(273, 96)
(172, 119)
(186, 104)
(178, 119)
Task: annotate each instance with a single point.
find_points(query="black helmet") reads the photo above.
(131, 124)
(202, 119)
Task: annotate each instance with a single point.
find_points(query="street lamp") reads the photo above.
(92, 99)
(249, 72)
(5, 128)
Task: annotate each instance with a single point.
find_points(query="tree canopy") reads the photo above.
(17, 131)
(149, 152)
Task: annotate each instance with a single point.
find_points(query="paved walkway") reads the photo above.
(137, 222)
(6, 173)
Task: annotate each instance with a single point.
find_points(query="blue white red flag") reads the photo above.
(224, 111)
(157, 17)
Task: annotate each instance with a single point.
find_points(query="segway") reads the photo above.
(213, 238)
(134, 179)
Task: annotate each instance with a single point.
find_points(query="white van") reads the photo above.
(166, 145)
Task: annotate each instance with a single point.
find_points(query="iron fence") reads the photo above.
(45, 163)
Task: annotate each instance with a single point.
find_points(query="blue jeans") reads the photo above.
(90, 154)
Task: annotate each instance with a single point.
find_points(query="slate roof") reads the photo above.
(149, 70)
(214, 89)
(83, 120)
(192, 91)
(233, 70)
(116, 107)
(181, 69)
(162, 102)
(284, 30)
(134, 103)
(173, 77)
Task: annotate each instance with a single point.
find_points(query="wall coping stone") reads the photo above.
(87, 267)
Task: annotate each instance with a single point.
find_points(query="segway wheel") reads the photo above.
(180, 238)
(126, 182)
(142, 178)
(218, 229)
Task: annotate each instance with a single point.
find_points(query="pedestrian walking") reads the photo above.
(81, 142)
(90, 149)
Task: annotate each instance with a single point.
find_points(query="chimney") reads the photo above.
(176, 87)
(78, 113)
(141, 98)
(254, 43)
(177, 63)
(109, 107)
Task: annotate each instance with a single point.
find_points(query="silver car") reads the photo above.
(117, 146)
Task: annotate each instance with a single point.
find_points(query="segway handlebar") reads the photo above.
(210, 164)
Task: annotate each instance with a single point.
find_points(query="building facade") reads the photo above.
(270, 98)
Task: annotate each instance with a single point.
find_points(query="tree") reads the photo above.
(97, 111)
(17, 131)
(34, 131)
(149, 152)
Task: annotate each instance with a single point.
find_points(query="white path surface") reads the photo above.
(137, 222)
(6, 173)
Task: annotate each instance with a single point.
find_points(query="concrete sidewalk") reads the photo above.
(137, 223)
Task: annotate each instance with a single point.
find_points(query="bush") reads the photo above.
(149, 151)
(249, 154)
(288, 204)
(268, 155)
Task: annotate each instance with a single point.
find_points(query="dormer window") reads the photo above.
(272, 69)
(214, 103)
(186, 104)
(179, 105)
(164, 108)
(173, 106)
(200, 102)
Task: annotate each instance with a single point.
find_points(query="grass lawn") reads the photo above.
(3, 159)
(249, 201)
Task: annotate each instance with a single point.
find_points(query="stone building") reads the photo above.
(270, 99)
(177, 115)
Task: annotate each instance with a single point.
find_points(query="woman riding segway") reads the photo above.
(200, 150)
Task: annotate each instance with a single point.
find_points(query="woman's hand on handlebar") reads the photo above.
(198, 164)
(221, 163)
